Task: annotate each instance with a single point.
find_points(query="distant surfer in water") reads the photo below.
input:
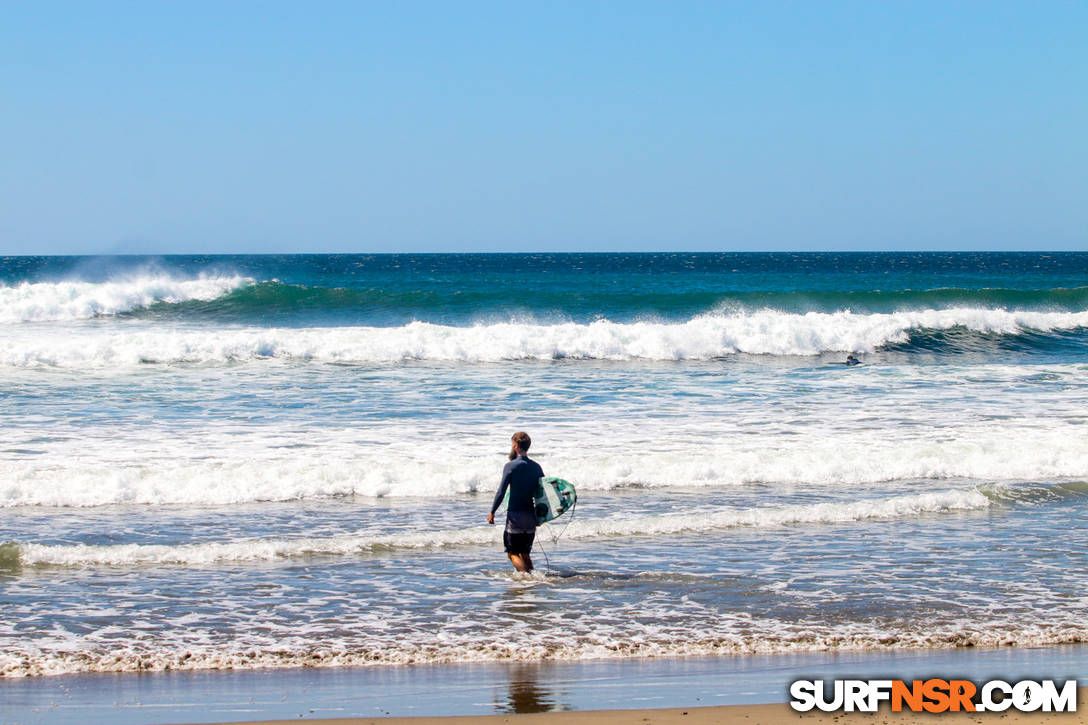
(522, 476)
(851, 360)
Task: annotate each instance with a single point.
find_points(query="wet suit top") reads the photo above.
(522, 476)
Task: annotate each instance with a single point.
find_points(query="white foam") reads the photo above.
(625, 633)
(669, 524)
(704, 337)
(74, 300)
(235, 469)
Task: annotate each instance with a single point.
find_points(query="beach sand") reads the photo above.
(776, 714)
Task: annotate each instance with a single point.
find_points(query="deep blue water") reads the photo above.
(464, 288)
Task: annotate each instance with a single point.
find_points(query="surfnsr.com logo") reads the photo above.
(934, 695)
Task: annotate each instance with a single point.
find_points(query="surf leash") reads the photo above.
(555, 539)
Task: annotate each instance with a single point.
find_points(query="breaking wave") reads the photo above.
(76, 300)
(706, 337)
(435, 302)
(977, 454)
(163, 477)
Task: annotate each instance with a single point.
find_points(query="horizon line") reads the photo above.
(538, 252)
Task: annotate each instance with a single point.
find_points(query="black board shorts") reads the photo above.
(518, 544)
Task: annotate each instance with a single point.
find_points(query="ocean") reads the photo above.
(287, 461)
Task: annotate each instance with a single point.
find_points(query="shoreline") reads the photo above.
(522, 691)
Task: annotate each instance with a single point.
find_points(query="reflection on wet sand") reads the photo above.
(525, 692)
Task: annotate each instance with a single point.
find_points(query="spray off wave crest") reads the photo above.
(706, 337)
(271, 549)
(75, 300)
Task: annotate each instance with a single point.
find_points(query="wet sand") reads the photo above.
(776, 714)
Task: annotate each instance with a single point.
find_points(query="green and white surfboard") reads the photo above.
(553, 498)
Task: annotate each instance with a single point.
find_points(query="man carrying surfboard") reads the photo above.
(522, 477)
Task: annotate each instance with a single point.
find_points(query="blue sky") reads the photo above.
(183, 127)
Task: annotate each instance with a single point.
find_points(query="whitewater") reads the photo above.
(79, 300)
(762, 332)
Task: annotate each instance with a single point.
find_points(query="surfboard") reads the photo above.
(552, 499)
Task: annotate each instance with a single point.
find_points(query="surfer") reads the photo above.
(522, 476)
(851, 360)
